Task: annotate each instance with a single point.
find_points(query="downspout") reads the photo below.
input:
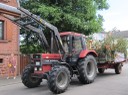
(18, 42)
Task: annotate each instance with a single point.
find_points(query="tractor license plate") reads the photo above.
(37, 63)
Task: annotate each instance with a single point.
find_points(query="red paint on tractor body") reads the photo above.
(46, 68)
(83, 53)
(51, 56)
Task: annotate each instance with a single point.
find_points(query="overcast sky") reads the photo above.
(116, 15)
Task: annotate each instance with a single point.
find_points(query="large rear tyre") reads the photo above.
(59, 79)
(118, 68)
(27, 78)
(87, 70)
(101, 70)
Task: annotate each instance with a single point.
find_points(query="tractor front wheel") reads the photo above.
(59, 79)
(27, 78)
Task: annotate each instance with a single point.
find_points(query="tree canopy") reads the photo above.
(67, 15)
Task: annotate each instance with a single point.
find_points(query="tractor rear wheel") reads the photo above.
(101, 70)
(118, 68)
(27, 78)
(59, 79)
(87, 70)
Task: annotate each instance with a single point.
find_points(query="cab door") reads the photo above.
(76, 48)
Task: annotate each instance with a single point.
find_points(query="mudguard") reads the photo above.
(84, 53)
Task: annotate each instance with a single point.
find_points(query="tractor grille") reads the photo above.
(36, 59)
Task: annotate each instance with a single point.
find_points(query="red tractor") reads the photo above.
(66, 53)
(59, 70)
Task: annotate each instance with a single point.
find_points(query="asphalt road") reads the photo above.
(105, 84)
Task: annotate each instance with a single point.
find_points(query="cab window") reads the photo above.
(65, 41)
(77, 45)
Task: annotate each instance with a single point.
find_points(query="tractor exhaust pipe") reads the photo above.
(9, 10)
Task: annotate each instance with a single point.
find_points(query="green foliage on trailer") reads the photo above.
(108, 47)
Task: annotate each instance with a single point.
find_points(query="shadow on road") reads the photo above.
(43, 88)
(105, 75)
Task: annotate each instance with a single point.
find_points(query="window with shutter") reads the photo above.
(1, 30)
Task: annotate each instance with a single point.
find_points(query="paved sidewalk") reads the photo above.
(4, 81)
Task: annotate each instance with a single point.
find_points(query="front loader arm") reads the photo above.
(30, 21)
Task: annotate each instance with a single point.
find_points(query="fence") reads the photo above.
(24, 60)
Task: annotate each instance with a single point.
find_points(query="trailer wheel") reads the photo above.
(87, 70)
(118, 68)
(101, 70)
(27, 78)
(59, 79)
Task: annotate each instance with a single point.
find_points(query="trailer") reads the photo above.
(114, 63)
(111, 51)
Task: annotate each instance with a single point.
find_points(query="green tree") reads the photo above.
(67, 15)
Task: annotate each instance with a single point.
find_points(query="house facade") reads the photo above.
(9, 36)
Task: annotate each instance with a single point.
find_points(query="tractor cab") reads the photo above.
(73, 44)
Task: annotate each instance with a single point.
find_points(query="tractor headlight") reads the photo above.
(40, 69)
(35, 68)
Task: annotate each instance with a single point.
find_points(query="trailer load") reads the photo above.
(112, 52)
